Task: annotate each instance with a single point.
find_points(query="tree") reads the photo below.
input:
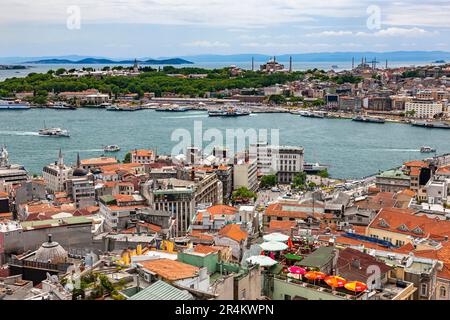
(410, 113)
(299, 180)
(268, 181)
(311, 185)
(243, 194)
(127, 158)
(324, 173)
(60, 71)
(277, 99)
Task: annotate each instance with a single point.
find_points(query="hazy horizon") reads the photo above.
(169, 28)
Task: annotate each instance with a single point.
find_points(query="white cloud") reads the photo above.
(330, 34)
(397, 32)
(206, 44)
(388, 32)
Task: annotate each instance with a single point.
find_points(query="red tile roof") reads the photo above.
(222, 209)
(395, 218)
(233, 231)
(170, 269)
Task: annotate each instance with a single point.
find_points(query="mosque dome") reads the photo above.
(79, 172)
(51, 252)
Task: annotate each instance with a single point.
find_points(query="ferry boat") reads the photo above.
(61, 106)
(122, 108)
(111, 148)
(13, 105)
(229, 112)
(310, 167)
(369, 119)
(426, 149)
(173, 108)
(431, 124)
(54, 132)
(310, 114)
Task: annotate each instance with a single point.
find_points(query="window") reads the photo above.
(399, 243)
(287, 297)
(423, 289)
(442, 292)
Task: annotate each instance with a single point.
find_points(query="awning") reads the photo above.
(291, 256)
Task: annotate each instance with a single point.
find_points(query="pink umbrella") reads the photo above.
(296, 270)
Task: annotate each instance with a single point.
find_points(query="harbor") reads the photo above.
(325, 140)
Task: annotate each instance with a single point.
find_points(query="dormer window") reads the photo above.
(418, 230)
(403, 228)
(383, 223)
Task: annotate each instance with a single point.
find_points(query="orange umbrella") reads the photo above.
(315, 275)
(335, 281)
(290, 244)
(355, 286)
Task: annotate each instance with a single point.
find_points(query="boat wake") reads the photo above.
(86, 150)
(402, 150)
(187, 117)
(19, 133)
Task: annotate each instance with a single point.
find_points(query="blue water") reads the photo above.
(352, 149)
(297, 66)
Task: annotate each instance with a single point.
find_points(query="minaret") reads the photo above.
(4, 161)
(353, 63)
(290, 64)
(386, 63)
(135, 66)
(78, 160)
(60, 159)
(253, 63)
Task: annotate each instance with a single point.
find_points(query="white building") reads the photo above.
(10, 173)
(424, 109)
(142, 156)
(56, 174)
(245, 173)
(437, 191)
(284, 161)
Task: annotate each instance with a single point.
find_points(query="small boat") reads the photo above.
(111, 148)
(426, 149)
(54, 132)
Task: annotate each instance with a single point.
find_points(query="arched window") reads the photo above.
(442, 292)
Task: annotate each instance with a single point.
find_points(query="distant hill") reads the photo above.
(170, 61)
(399, 56)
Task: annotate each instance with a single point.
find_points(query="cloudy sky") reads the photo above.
(155, 28)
